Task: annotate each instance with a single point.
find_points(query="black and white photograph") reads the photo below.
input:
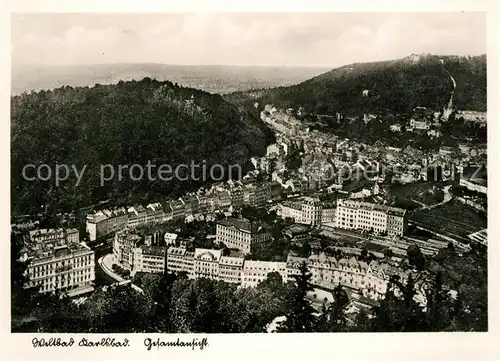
(241, 173)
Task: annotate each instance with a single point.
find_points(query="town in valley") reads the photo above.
(350, 215)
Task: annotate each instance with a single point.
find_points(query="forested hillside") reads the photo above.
(123, 124)
(389, 86)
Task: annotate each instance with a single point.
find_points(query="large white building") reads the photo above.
(65, 267)
(254, 272)
(106, 223)
(242, 233)
(368, 216)
(230, 269)
(307, 211)
(149, 259)
(206, 263)
(370, 278)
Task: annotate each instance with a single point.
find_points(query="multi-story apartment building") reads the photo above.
(308, 211)
(242, 233)
(72, 235)
(105, 223)
(368, 216)
(222, 200)
(177, 209)
(66, 267)
(292, 209)
(311, 211)
(149, 259)
(328, 213)
(175, 260)
(370, 279)
(140, 216)
(230, 269)
(123, 248)
(206, 263)
(254, 272)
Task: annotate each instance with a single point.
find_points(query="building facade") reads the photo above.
(254, 272)
(150, 259)
(68, 268)
(106, 223)
(206, 263)
(370, 217)
(242, 233)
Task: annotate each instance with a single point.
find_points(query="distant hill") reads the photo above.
(214, 79)
(396, 86)
(128, 123)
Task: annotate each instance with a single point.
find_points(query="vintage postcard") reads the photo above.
(184, 183)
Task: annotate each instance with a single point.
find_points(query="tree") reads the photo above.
(388, 252)
(334, 319)
(300, 317)
(415, 257)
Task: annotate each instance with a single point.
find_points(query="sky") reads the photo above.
(277, 39)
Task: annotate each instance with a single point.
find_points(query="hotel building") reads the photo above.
(242, 233)
(368, 216)
(65, 267)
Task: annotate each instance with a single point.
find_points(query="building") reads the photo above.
(396, 127)
(106, 223)
(479, 185)
(123, 248)
(292, 209)
(170, 238)
(206, 263)
(149, 259)
(471, 116)
(177, 209)
(179, 260)
(237, 197)
(230, 269)
(370, 279)
(328, 213)
(311, 211)
(242, 233)
(371, 217)
(254, 272)
(297, 233)
(72, 235)
(140, 216)
(68, 267)
(420, 124)
(446, 151)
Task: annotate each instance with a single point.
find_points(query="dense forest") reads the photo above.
(128, 123)
(176, 304)
(396, 86)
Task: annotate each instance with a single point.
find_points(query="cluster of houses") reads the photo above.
(228, 196)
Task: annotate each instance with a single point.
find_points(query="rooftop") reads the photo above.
(244, 225)
(372, 207)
